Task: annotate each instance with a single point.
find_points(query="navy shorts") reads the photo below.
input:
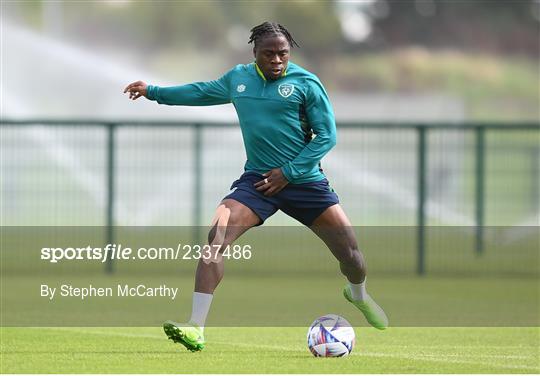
(304, 202)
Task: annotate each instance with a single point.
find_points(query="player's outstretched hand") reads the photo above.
(273, 182)
(136, 90)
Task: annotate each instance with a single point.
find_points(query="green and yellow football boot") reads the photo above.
(189, 335)
(371, 310)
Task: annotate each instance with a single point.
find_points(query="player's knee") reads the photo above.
(218, 230)
(212, 234)
(353, 258)
(225, 226)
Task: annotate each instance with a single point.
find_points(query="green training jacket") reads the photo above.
(287, 123)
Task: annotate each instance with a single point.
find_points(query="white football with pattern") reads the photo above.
(330, 336)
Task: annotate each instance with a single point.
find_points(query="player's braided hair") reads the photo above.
(270, 28)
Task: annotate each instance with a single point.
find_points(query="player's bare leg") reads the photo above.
(231, 220)
(335, 229)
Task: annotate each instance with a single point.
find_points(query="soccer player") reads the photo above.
(287, 125)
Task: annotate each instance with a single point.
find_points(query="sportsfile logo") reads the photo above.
(209, 253)
(111, 251)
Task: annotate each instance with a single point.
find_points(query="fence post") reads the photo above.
(535, 181)
(197, 183)
(421, 213)
(480, 134)
(110, 160)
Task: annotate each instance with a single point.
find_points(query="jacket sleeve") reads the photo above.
(321, 119)
(194, 94)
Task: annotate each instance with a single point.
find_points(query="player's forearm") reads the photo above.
(184, 95)
(310, 156)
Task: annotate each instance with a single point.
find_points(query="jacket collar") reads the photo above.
(260, 73)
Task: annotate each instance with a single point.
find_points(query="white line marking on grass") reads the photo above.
(426, 357)
(461, 347)
(487, 356)
(436, 358)
(104, 333)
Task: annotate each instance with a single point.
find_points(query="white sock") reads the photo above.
(200, 308)
(358, 291)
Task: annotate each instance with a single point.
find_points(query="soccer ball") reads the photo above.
(330, 336)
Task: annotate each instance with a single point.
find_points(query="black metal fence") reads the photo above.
(422, 131)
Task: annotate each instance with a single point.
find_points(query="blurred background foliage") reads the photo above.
(482, 51)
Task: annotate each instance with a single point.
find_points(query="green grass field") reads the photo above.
(269, 350)
(479, 313)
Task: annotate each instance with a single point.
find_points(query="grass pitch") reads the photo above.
(269, 350)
